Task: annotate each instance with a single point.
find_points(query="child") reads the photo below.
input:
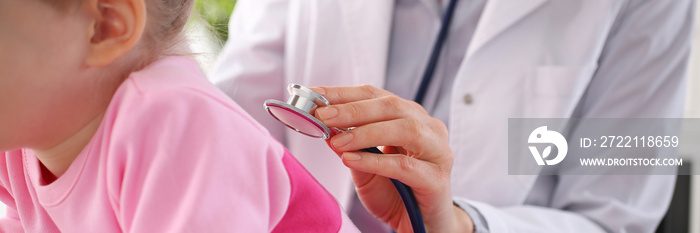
(118, 137)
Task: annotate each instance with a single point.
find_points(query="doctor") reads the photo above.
(501, 59)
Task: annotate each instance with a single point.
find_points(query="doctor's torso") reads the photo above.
(531, 60)
(516, 59)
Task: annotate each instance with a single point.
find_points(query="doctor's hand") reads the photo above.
(416, 152)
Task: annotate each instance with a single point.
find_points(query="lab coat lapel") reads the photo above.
(369, 24)
(497, 16)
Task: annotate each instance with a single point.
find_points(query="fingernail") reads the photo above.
(351, 156)
(326, 113)
(341, 139)
(318, 90)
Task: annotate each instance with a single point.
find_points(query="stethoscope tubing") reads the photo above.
(409, 201)
(405, 192)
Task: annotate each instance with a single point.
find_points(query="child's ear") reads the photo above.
(116, 27)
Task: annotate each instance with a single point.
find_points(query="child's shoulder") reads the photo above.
(171, 77)
(170, 108)
(173, 92)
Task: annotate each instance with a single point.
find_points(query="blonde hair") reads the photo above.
(165, 24)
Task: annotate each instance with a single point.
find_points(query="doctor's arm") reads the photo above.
(415, 152)
(641, 74)
(250, 68)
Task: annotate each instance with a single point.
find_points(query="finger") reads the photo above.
(408, 133)
(347, 94)
(363, 179)
(359, 178)
(378, 195)
(339, 153)
(368, 111)
(411, 171)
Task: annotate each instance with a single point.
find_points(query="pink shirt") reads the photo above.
(172, 154)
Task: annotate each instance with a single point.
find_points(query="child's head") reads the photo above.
(61, 60)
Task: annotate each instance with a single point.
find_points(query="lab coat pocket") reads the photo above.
(558, 89)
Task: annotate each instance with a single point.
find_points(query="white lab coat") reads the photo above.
(527, 59)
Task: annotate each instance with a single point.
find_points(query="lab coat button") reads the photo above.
(467, 99)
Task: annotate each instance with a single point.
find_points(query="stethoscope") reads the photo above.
(297, 114)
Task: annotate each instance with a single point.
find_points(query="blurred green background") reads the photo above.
(216, 14)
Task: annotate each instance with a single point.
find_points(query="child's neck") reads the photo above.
(58, 158)
(79, 116)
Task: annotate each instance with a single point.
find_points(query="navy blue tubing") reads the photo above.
(435, 54)
(409, 201)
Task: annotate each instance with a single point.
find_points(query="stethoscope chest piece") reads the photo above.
(297, 112)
